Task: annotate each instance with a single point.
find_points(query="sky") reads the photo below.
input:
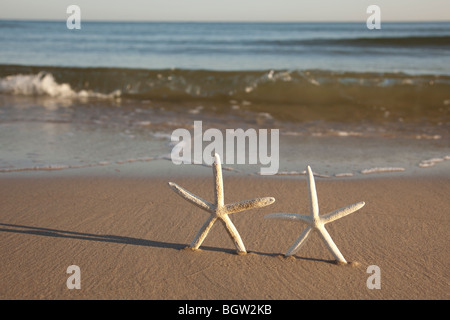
(227, 10)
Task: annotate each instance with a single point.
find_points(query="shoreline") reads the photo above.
(162, 166)
(127, 235)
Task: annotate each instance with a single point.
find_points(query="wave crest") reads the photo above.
(293, 95)
(44, 84)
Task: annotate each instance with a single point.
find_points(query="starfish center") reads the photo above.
(316, 222)
(219, 213)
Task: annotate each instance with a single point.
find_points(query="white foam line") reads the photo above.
(291, 133)
(428, 137)
(380, 170)
(346, 174)
(297, 173)
(431, 162)
(56, 167)
(426, 164)
(290, 173)
(136, 160)
(346, 133)
(39, 168)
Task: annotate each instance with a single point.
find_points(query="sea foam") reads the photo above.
(381, 170)
(44, 84)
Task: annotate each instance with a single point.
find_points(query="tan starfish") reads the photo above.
(218, 210)
(316, 222)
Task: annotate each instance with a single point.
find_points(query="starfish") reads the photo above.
(218, 210)
(316, 222)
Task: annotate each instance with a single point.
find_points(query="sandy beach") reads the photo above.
(128, 236)
(94, 123)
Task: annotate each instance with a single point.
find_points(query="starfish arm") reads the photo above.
(218, 182)
(234, 234)
(289, 216)
(330, 244)
(203, 232)
(248, 204)
(299, 242)
(199, 202)
(314, 204)
(337, 214)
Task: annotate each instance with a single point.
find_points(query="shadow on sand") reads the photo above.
(47, 232)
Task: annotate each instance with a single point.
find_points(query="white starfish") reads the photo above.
(218, 210)
(316, 222)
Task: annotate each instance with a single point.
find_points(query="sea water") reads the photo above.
(112, 92)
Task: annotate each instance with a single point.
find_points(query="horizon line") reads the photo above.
(222, 21)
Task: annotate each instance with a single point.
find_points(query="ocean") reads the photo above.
(412, 48)
(116, 82)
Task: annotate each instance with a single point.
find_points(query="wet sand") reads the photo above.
(127, 234)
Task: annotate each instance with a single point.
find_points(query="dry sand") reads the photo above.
(127, 236)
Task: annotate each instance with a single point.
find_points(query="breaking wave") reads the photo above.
(274, 86)
(44, 84)
(280, 93)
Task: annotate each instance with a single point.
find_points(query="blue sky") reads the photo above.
(227, 10)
